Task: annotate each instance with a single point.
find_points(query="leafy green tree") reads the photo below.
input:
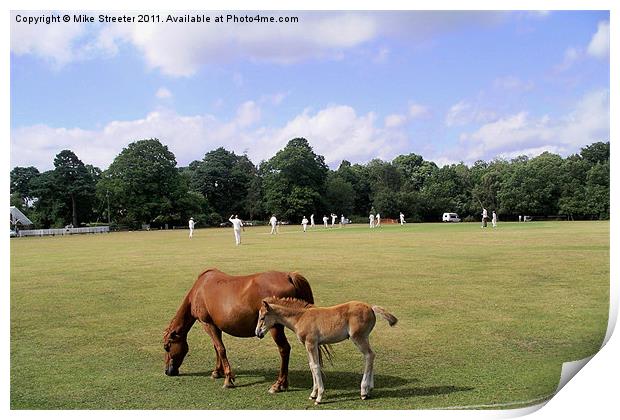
(339, 195)
(414, 170)
(294, 181)
(224, 179)
(385, 201)
(383, 176)
(598, 152)
(533, 187)
(358, 176)
(21, 186)
(597, 190)
(48, 211)
(446, 190)
(64, 195)
(143, 184)
(573, 201)
(75, 183)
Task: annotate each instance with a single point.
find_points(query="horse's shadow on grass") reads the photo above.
(342, 386)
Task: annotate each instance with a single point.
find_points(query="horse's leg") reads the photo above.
(315, 388)
(218, 372)
(368, 381)
(281, 384)
(315, 367)
(216, 337)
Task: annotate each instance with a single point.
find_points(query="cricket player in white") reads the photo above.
(312, 220)
(494, 219)
(371, 219)
(237, 225)
(304, 223)
(342, 220)
(485, 216)
(333, 219)
(325, 221)
(191, 227)
(378, 220)
(274, 223)
(402, 219)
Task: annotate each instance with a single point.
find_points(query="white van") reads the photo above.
(450, 217)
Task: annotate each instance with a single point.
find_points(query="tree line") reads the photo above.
(143, 185)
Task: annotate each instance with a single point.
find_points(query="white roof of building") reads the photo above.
(18, 217)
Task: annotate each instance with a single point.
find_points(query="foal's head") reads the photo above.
(176, 348)
(266, 319)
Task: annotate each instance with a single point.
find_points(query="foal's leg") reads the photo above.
(315, 368)
(281, 384)
(216, 337)
(368, 380)
(218, 372)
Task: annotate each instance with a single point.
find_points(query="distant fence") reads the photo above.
(64, 231)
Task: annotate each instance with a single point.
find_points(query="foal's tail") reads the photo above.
(391, 319)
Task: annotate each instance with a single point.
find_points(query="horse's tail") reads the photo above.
(391, 319)
(303, 290)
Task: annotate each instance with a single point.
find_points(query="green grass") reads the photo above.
(485, 316)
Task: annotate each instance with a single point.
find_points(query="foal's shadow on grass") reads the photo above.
(342, 386)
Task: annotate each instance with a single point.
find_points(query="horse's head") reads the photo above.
(266, 320)
(175, 345)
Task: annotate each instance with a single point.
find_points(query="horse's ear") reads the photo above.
(266, 306)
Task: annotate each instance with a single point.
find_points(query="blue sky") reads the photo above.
(451, 86)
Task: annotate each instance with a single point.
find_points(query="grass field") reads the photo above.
(485, 316)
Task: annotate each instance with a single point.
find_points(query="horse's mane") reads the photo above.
(289, 302)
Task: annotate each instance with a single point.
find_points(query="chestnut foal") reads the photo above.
(316, 327)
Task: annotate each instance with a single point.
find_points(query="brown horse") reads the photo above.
(315, 327)
(221, 302)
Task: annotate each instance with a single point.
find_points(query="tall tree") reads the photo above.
(224, 179)
(533, 187)
(21, 178)
(75, 182)
(294, 180)
(21, 187)
(339, 195)
(596, 152)
(142, 184)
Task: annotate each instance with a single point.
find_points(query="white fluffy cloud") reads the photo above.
(55, 43)
(180, 50)
(599, 44)
(418, 111)
(598, 47)
(522, 133)
(395, 120)
(337, 132)
(464, 112)
(248, 114)
(163, 93)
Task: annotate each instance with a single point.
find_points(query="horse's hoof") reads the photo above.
(364, 397)
(277, 388)
(317, 402)
(216, 375)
